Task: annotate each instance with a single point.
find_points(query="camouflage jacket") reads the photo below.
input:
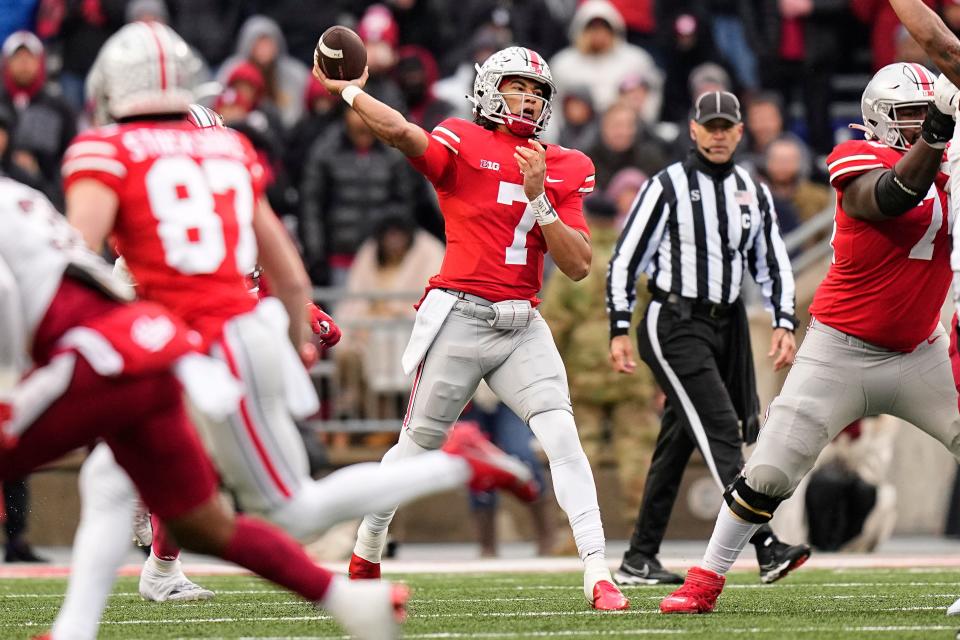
(577, 316)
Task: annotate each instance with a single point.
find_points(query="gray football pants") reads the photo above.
(522, 366)
(837, 379)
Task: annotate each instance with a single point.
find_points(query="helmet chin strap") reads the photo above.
(520, 126)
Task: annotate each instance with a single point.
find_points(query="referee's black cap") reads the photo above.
(715, 105)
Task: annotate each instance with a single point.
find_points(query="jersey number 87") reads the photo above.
(181, 193)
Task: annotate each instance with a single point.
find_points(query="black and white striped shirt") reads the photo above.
(696, 228)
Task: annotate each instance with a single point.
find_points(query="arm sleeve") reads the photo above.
(637, 245)
(95, 158)
(437, 162)
(770, 265)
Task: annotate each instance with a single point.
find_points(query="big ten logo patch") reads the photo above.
(489, 164)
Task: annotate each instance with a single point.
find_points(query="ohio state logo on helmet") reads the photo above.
(488, 99)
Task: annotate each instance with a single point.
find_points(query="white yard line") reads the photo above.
(460, 615)
(587, 633)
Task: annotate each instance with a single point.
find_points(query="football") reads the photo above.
(340, 54)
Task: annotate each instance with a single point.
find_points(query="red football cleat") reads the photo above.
(399, 595)
(607, 597)
(697, 595)
(361, 569)
(492, 468)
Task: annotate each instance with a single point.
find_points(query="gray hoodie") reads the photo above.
(291, 74)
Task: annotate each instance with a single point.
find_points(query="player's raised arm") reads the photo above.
(930, 32)
(882, 194)
(387, 123)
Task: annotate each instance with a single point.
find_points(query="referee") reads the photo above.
(695, 229)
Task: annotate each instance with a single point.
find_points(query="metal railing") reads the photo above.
(361, 385)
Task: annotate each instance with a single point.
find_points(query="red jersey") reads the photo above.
(495, 248)
(185, 212)
(888, 279)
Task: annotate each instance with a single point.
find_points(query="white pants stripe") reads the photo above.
(653, 314)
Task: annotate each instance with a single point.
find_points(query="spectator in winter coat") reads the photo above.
(262, 44)
(625, 142)
(580, 126)
(602, 59)
(351, 181)
(44, 122)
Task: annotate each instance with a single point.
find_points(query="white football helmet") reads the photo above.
(896, 86)
(144, 68)
(489, 102)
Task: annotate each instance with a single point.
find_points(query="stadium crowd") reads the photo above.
(627, 72)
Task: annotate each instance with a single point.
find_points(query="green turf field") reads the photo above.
(812, 604)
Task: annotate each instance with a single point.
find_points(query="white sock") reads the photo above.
(369, 487)
(157, 565)
(100, 545)
(730, 536)
(572, 479)
(372, 534)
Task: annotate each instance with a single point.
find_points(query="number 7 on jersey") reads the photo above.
(509, 194)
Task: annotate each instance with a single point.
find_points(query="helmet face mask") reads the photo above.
(894, 89)
(490, 102)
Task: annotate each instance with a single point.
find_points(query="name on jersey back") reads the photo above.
(146, 143)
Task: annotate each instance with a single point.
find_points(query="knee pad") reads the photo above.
(749, 505)
(769, 480)
(444, 401)
(428, 436)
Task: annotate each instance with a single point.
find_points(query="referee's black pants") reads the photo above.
(687, 347)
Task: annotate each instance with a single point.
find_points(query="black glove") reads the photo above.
(937, 128)
(750, 429)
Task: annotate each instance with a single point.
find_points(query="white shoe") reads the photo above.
(142, 527)
(367, 609)
(174, 586)
(954, 609)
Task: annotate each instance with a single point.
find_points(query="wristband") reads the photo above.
(350, 93)
(543, 211)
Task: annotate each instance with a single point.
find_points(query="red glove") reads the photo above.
(323, 326)
(7, 441)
